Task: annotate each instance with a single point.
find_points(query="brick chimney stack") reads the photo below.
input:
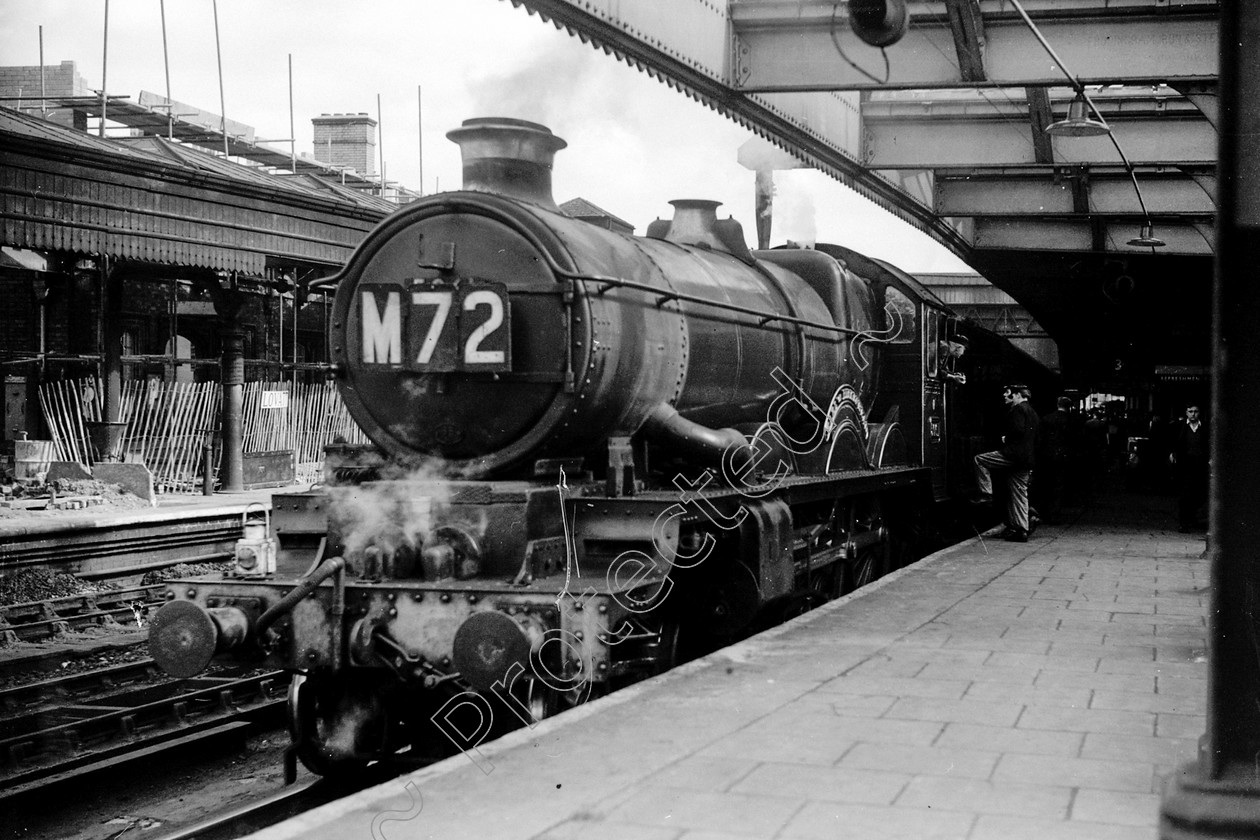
(346, 140)
(58, 80)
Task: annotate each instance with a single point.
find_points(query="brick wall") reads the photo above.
(346, 140)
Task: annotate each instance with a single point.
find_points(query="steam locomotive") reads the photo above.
(593, 454)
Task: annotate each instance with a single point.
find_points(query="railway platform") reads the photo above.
(990, 691)
(111, 541)
(169, 507)
(119, 543)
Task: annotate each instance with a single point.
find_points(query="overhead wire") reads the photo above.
(953, 60)
(1079, 87)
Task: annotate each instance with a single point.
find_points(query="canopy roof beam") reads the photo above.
(1108, 190)
(940, 142)
(1194, 236)
(807, 45)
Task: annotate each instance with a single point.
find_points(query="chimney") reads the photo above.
(346, 140)
(509, 157)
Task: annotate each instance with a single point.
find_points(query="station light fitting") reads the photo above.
(1147, 239)
(1078, 123)
(880, 23)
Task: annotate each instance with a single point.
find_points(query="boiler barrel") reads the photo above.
(537, 356)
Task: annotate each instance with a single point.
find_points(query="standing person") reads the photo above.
(1189, 457)
(1014, 459)
(1054, 449)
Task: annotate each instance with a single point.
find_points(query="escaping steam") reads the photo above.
(343, 739)
(795, 214)
(399, 511)
(540, 91)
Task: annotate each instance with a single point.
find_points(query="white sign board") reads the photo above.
(275, 399)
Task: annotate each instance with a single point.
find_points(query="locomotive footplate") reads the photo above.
(803, 487)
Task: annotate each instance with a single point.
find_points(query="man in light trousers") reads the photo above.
(1014, 460)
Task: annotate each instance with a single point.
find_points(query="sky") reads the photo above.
(634, 143)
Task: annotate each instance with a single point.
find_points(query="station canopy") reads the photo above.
(1106, 239)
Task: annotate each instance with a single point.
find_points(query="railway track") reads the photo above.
(29, 697)
(58, 740)
(37, 621)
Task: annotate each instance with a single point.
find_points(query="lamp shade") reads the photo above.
(1147, 239)
(1078, 122)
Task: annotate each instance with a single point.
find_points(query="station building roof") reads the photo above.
(580, 208)
(154, 200)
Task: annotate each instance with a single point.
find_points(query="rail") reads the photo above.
(68, 740)
(98, 681)
(51, 617)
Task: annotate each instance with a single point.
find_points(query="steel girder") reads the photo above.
(1070, 190)
(937, 144)
(1194, 236)
(936, 129)
(792, 45)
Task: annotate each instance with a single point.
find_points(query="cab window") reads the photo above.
(932, 354)
(899, 316)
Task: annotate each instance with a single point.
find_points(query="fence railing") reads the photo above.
(298, 417)
(169, 424)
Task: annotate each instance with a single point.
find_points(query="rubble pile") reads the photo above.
(183, 570)
(62, 494)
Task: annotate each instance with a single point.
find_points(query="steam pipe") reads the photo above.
(309, 584)
(665, 423)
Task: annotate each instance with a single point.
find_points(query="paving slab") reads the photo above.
(989, 691)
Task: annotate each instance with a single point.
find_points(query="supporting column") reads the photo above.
(1218, 795)
(228, 303)
(108, 434)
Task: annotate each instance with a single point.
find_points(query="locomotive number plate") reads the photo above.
(436, 327)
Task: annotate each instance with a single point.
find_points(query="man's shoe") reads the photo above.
(1017, 536)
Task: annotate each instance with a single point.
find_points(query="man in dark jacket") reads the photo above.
(1014, 459)
(1190, 459)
